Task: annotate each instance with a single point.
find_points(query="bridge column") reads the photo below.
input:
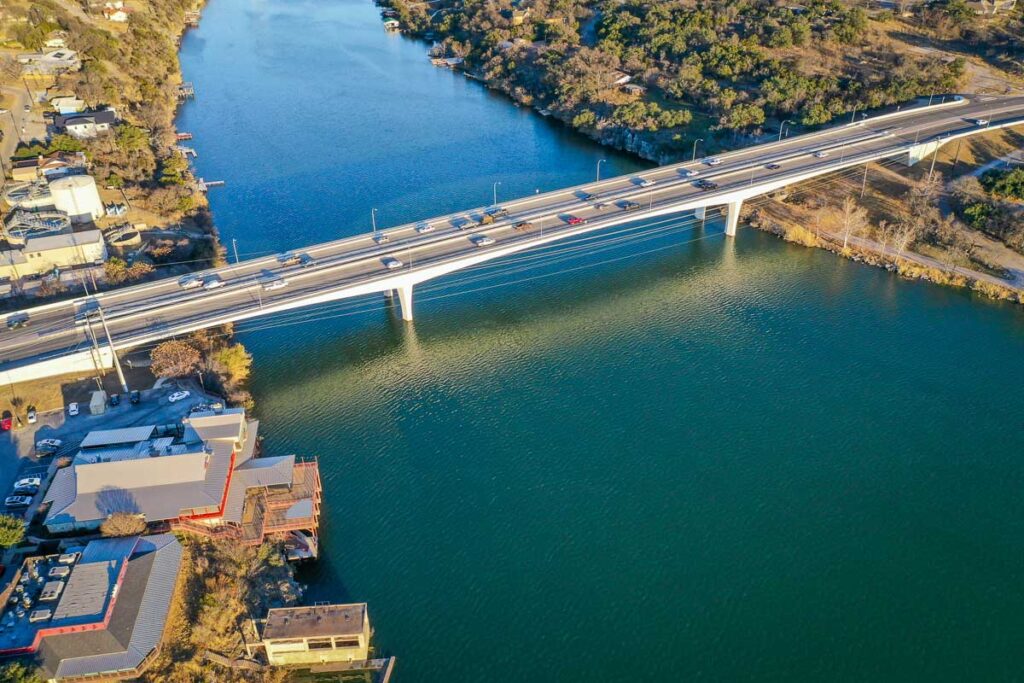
(405, 299)
(701, 213)
(732, 217)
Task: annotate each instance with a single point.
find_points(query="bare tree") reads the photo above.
(174, 358)
(852, 219)
(903, 237)
(123, 524)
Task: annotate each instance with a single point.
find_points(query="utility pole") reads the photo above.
(113, 353)
(864, 182)
(932, 168)
(956, 157)
(95, 351)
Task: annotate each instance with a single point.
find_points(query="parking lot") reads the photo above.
(17, 448)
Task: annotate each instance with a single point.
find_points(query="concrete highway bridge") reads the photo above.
(70, 337)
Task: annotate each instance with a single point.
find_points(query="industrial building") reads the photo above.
(200, 476)
(320, 634)
(75, 195)
(42, 253)
(104, 617)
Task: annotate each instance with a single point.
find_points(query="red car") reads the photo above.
(574, 220)
(6, 421)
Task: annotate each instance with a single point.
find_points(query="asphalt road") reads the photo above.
(162, 308)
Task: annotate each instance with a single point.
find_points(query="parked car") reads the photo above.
(424, 228)
(47, 446)
(25, 490)
(575, 220)
(645, 182)
(32, 415)
(28, 482)
(711, 161)
(391, 263)
(190, 281)
(115, 400)
(18, 501)
(178, 396)
(522, 225)
(135, 397)
(481, 240)
(289, 259)
(6, 421)
(213, 282)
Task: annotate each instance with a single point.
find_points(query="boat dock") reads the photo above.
(186, 90)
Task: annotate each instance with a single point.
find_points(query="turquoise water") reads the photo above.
(675, 457)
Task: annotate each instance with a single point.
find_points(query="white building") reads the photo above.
(77, 196)
(53, 62)
(40, 255)
(86, 124)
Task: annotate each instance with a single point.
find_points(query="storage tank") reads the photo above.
(76, 195)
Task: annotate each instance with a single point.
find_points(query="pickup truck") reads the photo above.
(486, 219)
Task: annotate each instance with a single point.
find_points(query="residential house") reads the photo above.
(202, 477)
(106, 620)
(321, 634)
(48, 166)
(619, 78)
(117, 14)
(50, 63)
(67, 104)
(86, 124)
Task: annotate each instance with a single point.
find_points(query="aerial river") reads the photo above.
(658, 456)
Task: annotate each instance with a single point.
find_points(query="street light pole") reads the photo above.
(782, 126)
(597, 179)
(373, 219)
(234, 246)
(694, 157)
(494, 190)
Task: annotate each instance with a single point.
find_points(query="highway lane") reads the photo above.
(164, 303)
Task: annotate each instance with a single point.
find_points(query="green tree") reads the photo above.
(131, 138)
(235, 362)
(12, 530)
(19, 672)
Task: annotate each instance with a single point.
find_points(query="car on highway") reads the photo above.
(981, 122)
(135, 397)
(424, 228)
(587, 197)
(289, 258)
(705, 184)
(307, 261)
(773, 167)
(481, 240)
(271, 283)
(190, 281)
(497, 212)
(644, 182)
(50, 445)
(73, 409)
(820, 154)
(18, 501)
(522, 225)
(178, 396)
(711, 161)
(17, 321)
(33, 417)
(381, 238)
(213, 282)
(575, 220)
(691, 173)
(630, 206)
(28, 483)
(391, 263)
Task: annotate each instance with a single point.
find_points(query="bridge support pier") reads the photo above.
(405, 299)
(732, 217)
(701, 213)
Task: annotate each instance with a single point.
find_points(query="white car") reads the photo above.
(178, 396)
(821, 154)
(18, 501)
(271, 284)
(28, 482)
(645, 182)
(711, 161)
(72, 409)
(381, 239)
(52, 444)
(481, 240)
(213, 282)
(190, 281)
(691, 174)
(981, 122)
(391, 263)
(424, 228)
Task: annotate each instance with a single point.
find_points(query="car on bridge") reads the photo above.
(213, 282)
(630, 206)
(587, 197)
(289, 258)
(497, 212)
(981, 122)
(705, 184)
(381, 238)
(691, 173)
(17, 321)
(773, 166)
(820, 154)
(481, 240)
(391, 263)
(522, 225)
(711, 161)
(271, 283)
(190, 281)
(307, 261)
(644, 182)
(424, 228)
(575, 220)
